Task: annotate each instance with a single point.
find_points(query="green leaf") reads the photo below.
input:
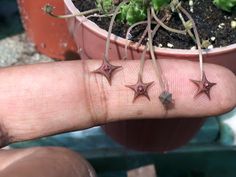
(105, 5)
(226, 5)
(158, 4)
(123, 12)
(133, 12)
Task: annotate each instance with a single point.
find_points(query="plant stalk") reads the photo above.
(184, 23)
(110, 29)
(127, 33)
(146, 46)
(157, 68)
(197, 39)
(73, 15)
(164, 26)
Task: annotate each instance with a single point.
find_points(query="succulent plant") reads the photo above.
(105, 5)
(137, 12)
(133, 11)
(226, 5)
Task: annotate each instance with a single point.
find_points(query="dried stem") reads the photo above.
(166, 17)
(142, 37)
(197, 39)
(146, 46)
(110, 29)
(157, 68)
(164, 26)
(48, 9)
(94, 15)
(127, 35)
(184, 23)
(142, 61)
(128, 31)
(100, 16)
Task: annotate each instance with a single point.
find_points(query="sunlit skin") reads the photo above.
(46, 99)
(204, 86)
(140, 88)
(107, 70)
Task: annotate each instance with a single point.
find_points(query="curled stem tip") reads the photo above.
(127, 36)
(48, 9)
(165, 26)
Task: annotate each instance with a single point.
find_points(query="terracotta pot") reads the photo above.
(50, 35)
(147, 135)
(87, 33)
(154, 135)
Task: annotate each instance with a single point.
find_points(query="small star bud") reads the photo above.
(48, 8)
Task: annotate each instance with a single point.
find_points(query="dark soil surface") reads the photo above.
(211, 23)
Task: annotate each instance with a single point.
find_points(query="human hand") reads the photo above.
(46, 99)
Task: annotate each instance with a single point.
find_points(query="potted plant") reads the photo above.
(50, 35)
(147, 134)
(84, 30)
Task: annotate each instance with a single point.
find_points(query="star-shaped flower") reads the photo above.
(204, 86)
(106, 69)
(140, 88)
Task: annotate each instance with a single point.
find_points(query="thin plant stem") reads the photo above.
(157, 68)
(73, 15)
(197, 39)
(164, 26)
(184, 23)
(110, 29)
(127, 35)
(100, 16)
(142, 37)
(166, 17)
(142, 61)
(146, 47)
(94, 15)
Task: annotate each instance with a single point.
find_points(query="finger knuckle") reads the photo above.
(96, 99)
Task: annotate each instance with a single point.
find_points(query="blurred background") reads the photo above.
(10, 23)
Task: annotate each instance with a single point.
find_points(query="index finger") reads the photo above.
(45, 99)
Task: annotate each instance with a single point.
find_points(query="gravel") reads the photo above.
(17, 50)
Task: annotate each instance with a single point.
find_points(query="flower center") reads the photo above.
(107, 68)
(140, 89)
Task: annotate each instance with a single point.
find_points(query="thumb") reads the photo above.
(45, 99)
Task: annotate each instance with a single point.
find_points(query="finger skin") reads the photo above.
(45, 99)
(46, 161)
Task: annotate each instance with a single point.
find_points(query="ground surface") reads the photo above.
(17, 50)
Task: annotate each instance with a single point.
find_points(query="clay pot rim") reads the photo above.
(164, 51)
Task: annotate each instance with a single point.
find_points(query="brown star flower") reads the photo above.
(106, 69)
(140, 88)
(204, 86)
